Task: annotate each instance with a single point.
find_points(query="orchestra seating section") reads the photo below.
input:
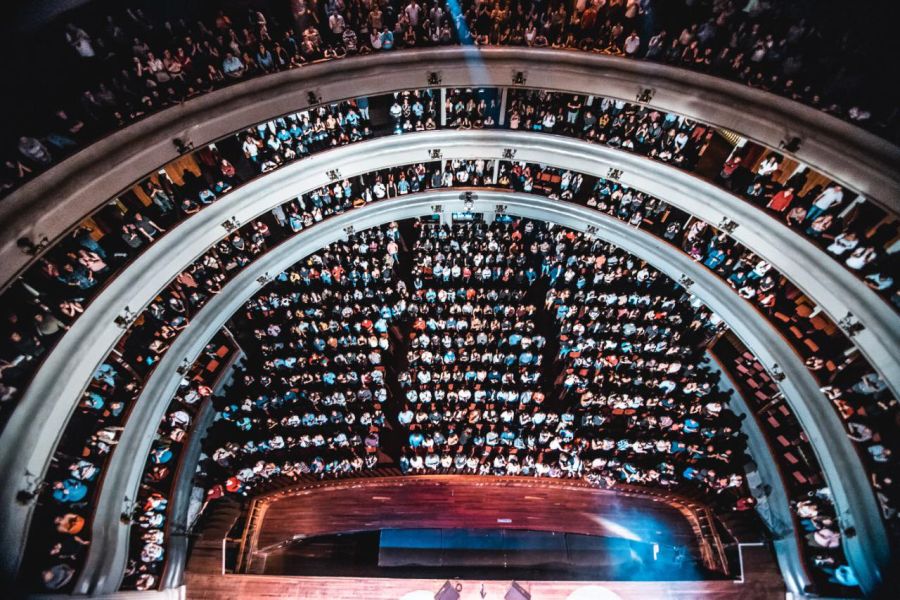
(478, 345)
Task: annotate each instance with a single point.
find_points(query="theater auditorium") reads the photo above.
(449, 300)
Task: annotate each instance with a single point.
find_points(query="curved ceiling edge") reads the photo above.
(33, 440)
(51, 203)
(868, 551)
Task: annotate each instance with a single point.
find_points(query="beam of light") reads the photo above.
(619, 530)
(458, 18)
(472, 59)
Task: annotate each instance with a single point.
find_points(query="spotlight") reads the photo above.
(448, 591)
(518, 78)
(468, 199)
(434, 78)
(517, 592)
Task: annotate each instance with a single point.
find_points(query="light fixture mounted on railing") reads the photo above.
(791, 145)
(851, 324)
(777, 373)
(645, 95)
(30, 494)
(184, 367)
(125, 319)
(727, 225)
(29, 247)
(231, 224)
(182, 146)
(468, 199)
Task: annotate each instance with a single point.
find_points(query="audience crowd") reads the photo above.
(311, 396)
(56, 290)
(861, 397)
(485, 336)
(131, 65)
(813, 508)
(151, 529)
(54, 294)
(822, 212)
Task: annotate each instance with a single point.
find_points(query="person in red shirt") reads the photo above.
(782, 200)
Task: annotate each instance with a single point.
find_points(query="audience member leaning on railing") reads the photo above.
(137, 65)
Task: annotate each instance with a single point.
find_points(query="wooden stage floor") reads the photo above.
(469, 502)
(442, 501)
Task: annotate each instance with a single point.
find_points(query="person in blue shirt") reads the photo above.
(69, 491)
(415, 439)
(387, 39)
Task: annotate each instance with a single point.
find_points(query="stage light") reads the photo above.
(517, 592)
(448, 591)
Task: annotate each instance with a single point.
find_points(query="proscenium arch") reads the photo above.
(35, 427)
(867, 552)
(53, 202)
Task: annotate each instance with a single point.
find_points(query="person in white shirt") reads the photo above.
(632, 44)
(860, 258)
(828, 199)
(767, 167)
(843, 243)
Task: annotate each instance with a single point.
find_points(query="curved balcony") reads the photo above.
(544, 210)
(417, 151)
(45, 208)
(855, 311)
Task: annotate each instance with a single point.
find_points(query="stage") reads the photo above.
(404, 537)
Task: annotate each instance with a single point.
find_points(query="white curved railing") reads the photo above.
(122, 477)
(32, 440)
(50, 204)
